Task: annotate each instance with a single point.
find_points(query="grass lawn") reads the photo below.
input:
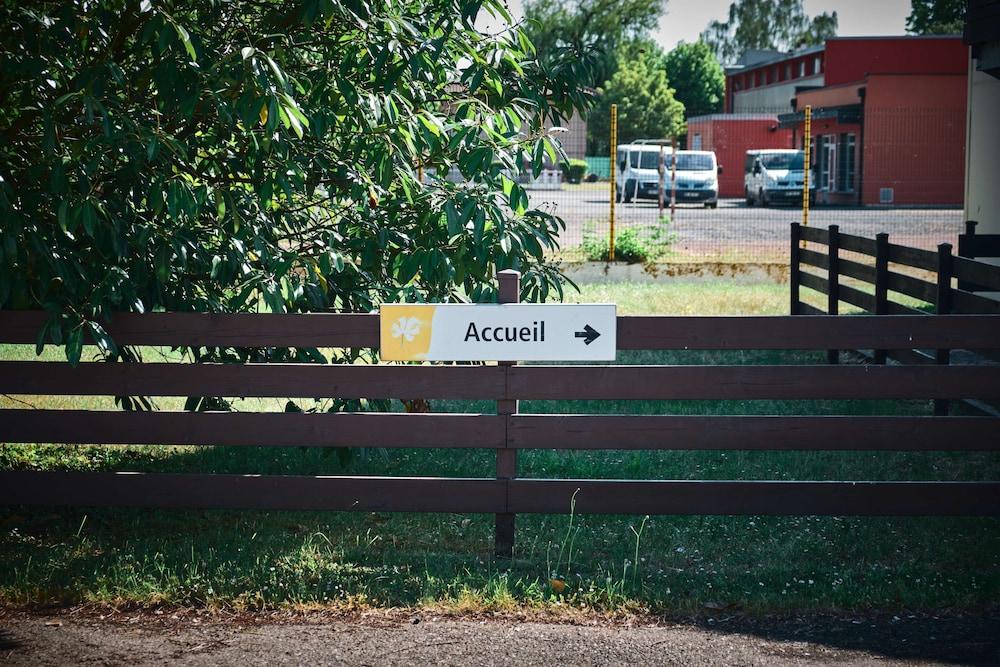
(665, 564)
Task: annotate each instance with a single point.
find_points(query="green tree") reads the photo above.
(781, 25)
(936, 17)
(592, 26)
(697, 78)
(647, 108)
(217, 156)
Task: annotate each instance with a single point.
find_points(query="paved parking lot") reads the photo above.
(735, 231)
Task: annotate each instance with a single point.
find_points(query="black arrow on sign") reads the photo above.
(589, 334)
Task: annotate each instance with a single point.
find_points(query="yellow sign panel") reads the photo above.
(406, 332)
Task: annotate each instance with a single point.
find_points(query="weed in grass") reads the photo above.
(633, 245)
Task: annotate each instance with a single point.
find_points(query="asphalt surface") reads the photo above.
(751, 232)
(415, 639)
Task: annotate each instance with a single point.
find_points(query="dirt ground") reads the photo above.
(744, 233)
(410, 638)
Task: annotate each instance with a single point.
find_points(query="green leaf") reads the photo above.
(185, 38)
(74, 345)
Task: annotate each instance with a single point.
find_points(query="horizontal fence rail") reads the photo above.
(258, 429)
(509, 431)
(751, 382)
(634, 332)
(502, 383)
(743, 432)
(271, 492)
(431, 494)
(521, 431)
(755, 498)
(257, 380)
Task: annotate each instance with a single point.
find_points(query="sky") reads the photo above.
(685, 19)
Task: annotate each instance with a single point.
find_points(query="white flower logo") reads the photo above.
(406, 328)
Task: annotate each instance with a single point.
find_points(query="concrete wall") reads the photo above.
(574, 141)
(982, 192)
(774, 98)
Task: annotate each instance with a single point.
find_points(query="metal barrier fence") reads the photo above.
(888, 169)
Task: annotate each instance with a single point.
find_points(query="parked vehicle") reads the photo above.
(696, 179)
(773, 176)
(638, 172)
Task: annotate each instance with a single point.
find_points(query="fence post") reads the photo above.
(503, 541)
(794, 269)
(881, 284)
(965, 250)
(833, 284)
(942, 306)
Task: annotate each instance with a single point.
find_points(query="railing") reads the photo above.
(509, 431)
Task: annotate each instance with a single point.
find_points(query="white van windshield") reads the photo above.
(645, 159)
(694, 163)
(782, 161)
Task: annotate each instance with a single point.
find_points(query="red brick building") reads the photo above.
(888, 117)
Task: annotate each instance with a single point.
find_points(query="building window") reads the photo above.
(696, 142)
(788, 70)
(774, 75)
(846, 162)
(817, 65)
(802, 68)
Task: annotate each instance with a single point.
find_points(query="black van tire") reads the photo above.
(763, 199)
(746, 194)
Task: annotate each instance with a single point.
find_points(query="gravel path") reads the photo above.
(192, 639)
(743, 232)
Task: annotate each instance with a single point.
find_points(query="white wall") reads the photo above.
(982, 173)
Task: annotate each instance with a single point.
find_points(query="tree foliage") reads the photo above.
(936, 17)
(780, 25)
(647, 107)
(220, 156)
(697, 77)
(596, 26)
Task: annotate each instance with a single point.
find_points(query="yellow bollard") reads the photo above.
(806, 138)
(614, 158)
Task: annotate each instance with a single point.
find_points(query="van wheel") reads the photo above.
(763, 199)
(627, 198)
(711, 204)
(618, 195)
(746, 195)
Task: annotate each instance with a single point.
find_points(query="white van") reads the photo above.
(775, 176)
(637, 175)
(696, 179)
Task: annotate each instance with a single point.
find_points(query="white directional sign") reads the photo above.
(502, 332)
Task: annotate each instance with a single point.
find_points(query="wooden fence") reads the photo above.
(509, 431)
(939, 292)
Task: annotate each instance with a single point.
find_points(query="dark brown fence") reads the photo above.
(509, 431)
(926, 276)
